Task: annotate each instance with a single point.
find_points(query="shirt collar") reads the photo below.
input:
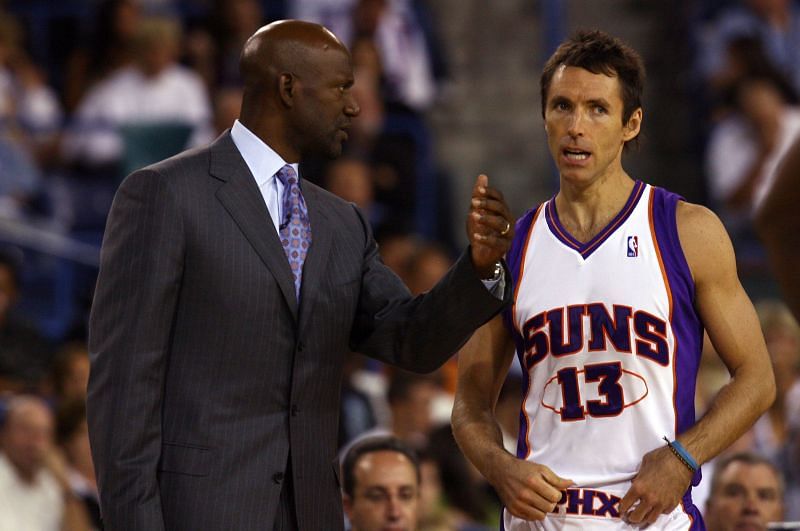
(262, 160)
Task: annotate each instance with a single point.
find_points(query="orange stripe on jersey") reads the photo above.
(658, 251)
(514, 322)
(522, 268)
(669, 298)
(568, 239)
(527, 418)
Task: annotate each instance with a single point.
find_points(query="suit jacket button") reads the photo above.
(277, 477)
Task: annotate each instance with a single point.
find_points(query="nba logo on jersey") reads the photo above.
(633, 246)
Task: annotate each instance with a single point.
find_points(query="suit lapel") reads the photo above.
(317, 258)
(241, 197)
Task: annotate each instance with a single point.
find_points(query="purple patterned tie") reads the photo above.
(295, 229)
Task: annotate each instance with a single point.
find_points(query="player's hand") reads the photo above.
(490, 226)
(658, 487)
(528, 490)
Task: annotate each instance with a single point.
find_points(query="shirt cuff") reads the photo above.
(496, 286)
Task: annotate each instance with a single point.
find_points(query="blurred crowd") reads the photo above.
(123, 83)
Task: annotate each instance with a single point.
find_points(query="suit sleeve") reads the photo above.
(129, 334)
(420, 333)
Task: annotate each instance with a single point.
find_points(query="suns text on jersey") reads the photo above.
(569, 330)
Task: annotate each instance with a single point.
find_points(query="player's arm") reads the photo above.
(131, 322)
(778, 226)
(528, 490)
(733, 327)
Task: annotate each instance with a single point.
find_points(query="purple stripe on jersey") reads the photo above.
(515, 258)
(686, 325)
(690, 509)
(586, 249)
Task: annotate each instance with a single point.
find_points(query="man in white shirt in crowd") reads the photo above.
(155, 89)
(34, 491)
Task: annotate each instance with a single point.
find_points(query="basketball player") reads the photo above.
(615, 281)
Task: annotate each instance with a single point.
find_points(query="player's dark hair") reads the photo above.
(371, 445)
(599, 53)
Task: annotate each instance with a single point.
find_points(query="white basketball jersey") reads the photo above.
(609, 344)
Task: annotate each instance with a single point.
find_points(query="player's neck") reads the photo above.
(586, 208)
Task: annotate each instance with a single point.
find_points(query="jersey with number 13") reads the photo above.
(609, 343)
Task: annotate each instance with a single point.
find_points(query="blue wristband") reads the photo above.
(678, 449)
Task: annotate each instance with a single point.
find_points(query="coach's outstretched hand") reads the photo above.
(490, 227)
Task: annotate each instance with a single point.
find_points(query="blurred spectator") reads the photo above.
(432, 503)
(411, 397)
(427, 266)
(24, 355)
(402, 33)
(29, 120)
(34, 490)
(70, 372)
(107, 48)
(72, 436)
(745, 149)
(232, 22)
(746, 493)
(368, 78)
(745, 58)
(776, 23)
(782, 335)
(381, 484)
(227, 103)
(350, 178)
(743, 155)
(405, 49)
(156, 90)
(778, 227)
(469, 503)
(397, 249)
(356, 411)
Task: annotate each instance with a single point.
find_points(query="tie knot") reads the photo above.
(287, 175)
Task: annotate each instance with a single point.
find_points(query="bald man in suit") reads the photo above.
(229, 292)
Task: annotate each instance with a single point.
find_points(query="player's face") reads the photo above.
(386, 494)
(748, 497)
(325, 104)
(583, 120)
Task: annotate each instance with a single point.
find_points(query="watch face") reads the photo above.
(498, 269)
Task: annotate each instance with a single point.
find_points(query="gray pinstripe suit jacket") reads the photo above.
(206, 371)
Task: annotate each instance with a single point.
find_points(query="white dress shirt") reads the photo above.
(264, 163)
